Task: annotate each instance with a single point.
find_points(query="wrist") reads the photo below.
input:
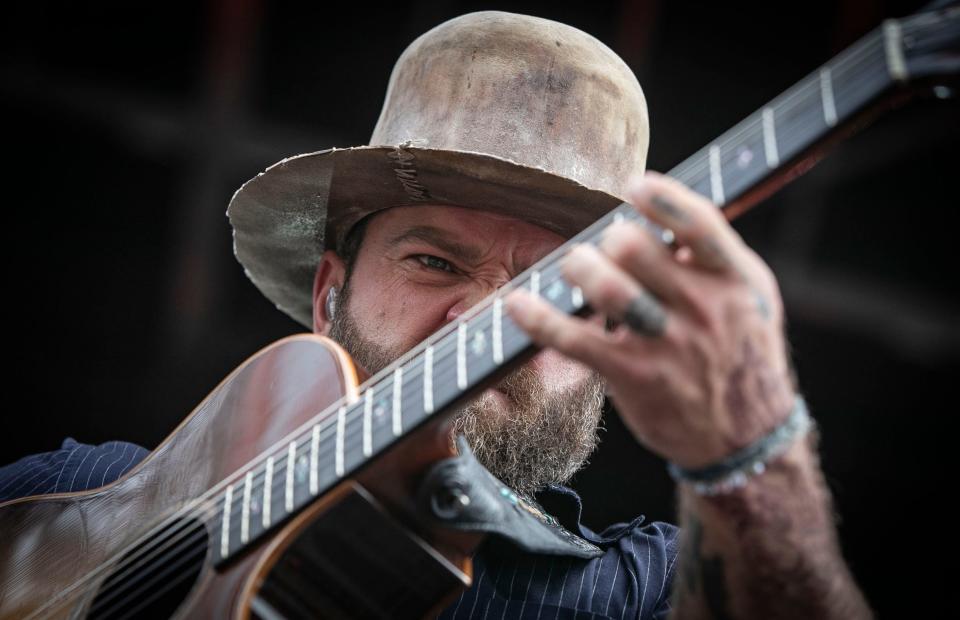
(733, 471)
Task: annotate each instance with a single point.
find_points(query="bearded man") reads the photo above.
(502, 136)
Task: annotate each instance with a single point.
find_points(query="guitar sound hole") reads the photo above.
(153, 579)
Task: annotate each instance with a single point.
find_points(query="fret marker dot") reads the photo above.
(555, 290)
(302, 468)
(479, 343)
(255, 506)
(380, 409)
(744, 157)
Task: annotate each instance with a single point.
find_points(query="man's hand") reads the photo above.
(717, 378)
(701, 373)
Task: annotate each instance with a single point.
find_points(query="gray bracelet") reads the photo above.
(731, 473)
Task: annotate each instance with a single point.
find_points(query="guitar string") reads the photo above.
(321, 422)
(258, 482)
(203, 502)
(793, 136)
(852, 57)
(350, 440)
(872, 44)
(357, 431)
(198, 536)
(807, 88)
(352, 435)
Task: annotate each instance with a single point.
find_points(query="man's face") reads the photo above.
(421, 267)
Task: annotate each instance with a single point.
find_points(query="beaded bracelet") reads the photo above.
(731, 473)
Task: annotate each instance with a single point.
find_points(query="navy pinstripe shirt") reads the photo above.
(631, 579)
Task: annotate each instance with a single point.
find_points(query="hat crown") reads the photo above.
(524, 89)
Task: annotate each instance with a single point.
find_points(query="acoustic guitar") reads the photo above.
(292, 489)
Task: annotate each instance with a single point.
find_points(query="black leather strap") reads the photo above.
(460, 493)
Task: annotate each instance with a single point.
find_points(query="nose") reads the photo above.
(472, 296)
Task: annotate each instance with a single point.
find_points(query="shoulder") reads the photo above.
(74, 467)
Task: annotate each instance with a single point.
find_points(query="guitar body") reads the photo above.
(51, 542)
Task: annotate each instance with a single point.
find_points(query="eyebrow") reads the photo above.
(440, 239)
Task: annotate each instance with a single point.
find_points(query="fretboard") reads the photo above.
(462, 357)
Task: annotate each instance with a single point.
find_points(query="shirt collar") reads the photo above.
(566, 507)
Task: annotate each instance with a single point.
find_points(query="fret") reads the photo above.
(314, 459)
(770, 149)
(535, 280)
(367, 422)
(245, 517)
(893, 48)
(716, 179)
(428, 380)
(515, 340)
(225, 527)
(826, 96)
(341, 427)
(555, 290)
(288, 487)
(799, 118)
(267, 491)
(397, 393)
(462, 355)
(497, 335)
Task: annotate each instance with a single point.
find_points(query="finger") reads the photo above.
(606, 286)
(611, 290)
(647, 260)
(695, 221)
(581, 340)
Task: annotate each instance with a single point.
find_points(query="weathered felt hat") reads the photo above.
(495, 111)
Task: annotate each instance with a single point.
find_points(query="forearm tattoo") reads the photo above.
(700, 576)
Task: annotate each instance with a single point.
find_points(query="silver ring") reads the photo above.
(645, 315)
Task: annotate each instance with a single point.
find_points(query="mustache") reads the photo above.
(520, 383)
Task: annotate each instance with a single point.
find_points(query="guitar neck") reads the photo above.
(468, 355)
(779, 136)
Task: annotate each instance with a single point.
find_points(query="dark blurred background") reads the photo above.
(127, 127)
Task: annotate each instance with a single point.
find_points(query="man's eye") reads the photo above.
(434, 262)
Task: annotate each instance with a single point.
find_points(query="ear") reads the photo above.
(331, 271)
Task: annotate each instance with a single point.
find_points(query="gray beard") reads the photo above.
(542, 438)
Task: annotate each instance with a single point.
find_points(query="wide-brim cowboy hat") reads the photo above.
(496, 111)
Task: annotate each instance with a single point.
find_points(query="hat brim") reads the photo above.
(284, 217)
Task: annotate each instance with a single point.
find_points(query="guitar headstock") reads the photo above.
(924, 45)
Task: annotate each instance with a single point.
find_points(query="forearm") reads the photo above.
(767, 550)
